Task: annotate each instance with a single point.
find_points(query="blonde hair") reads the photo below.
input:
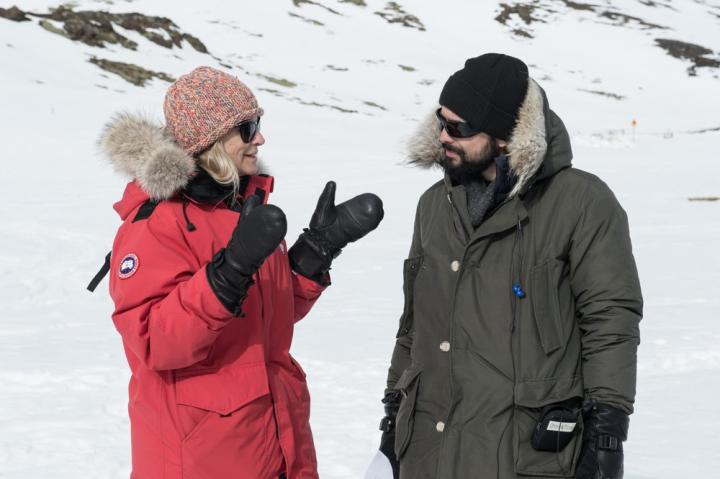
(219, 165)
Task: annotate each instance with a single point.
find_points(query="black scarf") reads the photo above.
(203, 189)
(483, 197)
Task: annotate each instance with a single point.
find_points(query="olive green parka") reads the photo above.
(540, 304)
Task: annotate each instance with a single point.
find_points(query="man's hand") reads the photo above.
(331, 229)
(605, 430)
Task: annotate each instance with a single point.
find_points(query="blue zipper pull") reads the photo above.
(517, 289)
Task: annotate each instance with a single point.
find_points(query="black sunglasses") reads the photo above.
(456, 129)
(248, 129)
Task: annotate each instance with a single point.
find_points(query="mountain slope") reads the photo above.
(343, 84)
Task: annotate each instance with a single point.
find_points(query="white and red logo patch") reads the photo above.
(128, 266)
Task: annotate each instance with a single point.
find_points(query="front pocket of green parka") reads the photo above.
(408, 385)
(546, 309)
(411, 268)
(530, 462)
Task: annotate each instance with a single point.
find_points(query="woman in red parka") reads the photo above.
(206, 292)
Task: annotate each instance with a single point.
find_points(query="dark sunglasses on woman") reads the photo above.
(456, 129)
(248, 129)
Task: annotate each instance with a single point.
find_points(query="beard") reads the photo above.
(471, 166)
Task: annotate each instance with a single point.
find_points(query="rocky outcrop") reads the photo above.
(100, 29)
(697, 54)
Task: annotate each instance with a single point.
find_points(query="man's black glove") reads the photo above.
(605, 430)
(387, 426)
(331, 229)
(258, 232)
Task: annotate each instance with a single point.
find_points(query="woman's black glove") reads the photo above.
(605, 430)
(258, 232)
(331, 229)
(387, 426)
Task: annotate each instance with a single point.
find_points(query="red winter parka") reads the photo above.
(212, 395)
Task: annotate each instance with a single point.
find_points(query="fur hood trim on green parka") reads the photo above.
(527, 146)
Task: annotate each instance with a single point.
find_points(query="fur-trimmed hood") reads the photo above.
(539, 145)
(143, 150)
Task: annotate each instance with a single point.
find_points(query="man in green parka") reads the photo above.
(516, 352)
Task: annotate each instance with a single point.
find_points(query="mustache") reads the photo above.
(452, 148)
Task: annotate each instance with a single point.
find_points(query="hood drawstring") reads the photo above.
(517, 286)
(190, 227)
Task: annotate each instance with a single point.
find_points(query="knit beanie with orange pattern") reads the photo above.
(204, 105)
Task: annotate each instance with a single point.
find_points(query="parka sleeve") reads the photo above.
(401, 360)
(165, 310)
(605, 284)
(306, 292)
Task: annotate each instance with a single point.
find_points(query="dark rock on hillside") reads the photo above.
(689, 51)
(300, 3)
(98, 29)
(394, 13)
(514, 15)
(14, 14)
(614, 96)
(523, 11)
(622, 19)
(129, 72)
(657, 4)
(579, 6)
(95, 28)
(306, 20)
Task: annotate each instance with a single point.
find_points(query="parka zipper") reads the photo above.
(516, 294)
(439, 466)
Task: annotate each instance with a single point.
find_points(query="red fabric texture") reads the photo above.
(212, 396)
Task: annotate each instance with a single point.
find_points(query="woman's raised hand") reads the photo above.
(259, 231)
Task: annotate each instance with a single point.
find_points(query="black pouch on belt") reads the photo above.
(555, 428)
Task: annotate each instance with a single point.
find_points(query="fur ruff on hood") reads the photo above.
(143, 150)
(526, 148)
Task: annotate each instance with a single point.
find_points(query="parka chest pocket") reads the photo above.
(411, 268)
(544, 281)
(408, 385)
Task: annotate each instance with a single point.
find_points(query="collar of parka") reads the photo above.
(539, 145)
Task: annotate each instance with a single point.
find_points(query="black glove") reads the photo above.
(605, 430)
(387, 426)
(331, 229)
(258, 232)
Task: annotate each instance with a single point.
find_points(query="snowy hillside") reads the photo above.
(343, 83)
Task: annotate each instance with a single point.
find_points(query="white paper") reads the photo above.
(379, 468)
(561, 426)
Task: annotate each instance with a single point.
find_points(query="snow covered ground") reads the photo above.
(63, 374)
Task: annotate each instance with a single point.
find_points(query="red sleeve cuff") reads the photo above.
(310, 288)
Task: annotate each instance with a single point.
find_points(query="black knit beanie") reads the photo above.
(488, 93)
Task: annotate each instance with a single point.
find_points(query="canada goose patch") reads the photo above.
(128, 266)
